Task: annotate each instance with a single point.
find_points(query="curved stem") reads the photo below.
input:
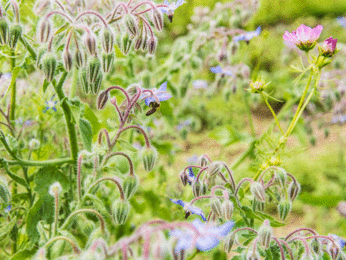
(147, 143)
(200, 172)
(273, 113)
(288, 249)
(281, 249)
(93, 13)
(114, 179)
(230, 173)
(301, 229)
(72, 243)
(199, 198)
(107, 137)
(60, 13)
(239, 184)
(123, 154)
(245, 228)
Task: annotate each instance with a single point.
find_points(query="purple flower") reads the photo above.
(8, 209)
(157, 95)
(248, 35)
(208, 238)
(191, 177)
(218, 69)
(304, 37)
(50, 105)
(342, 21)
(171, 7)
(190, 209)
(198, 84)
(328, 47)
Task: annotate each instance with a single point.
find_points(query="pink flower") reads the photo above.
(304, 37)
(328, 47)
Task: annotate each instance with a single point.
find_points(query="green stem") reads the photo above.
(272, 111)
(193, 255)
(29, 48)
(40, 163)
(248, 111)
(74, 83)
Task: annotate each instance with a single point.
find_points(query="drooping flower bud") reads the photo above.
(334, 251)
(140, 39)
(157, 17)
(183, 177)
(152, 43)
(214, 168)
(3, 31)
(126, 42)
(265, 234)
(131, 24)
(202, 161)
(257, 191)
(316, 246)
(49, 65)
(121, 209)
(130, 186)
(93, 69)
(44, 31)
(40, 53)
(227, 209)
(229, 242)
(68, 60)
(215, 206)
(79, 58)
(257, 205)
(102, 100)
(107, 61)
(284, 208)
(90, 43)
(149, 156)
(204, 186)
(5, 194)
(97, 85)
(197, 188)
(145, 41)
(15, 33)
(107, 40)
(293, 190)
(281, 177)
(86, 86)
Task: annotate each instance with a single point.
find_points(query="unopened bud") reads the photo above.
(257, 191)
(97, 85)
(130, 186)
(102, 100)
(229, 242)
(257, 86)
(131, 25)
(183, 177)
(49, 65)
(157, 19)
(281, 177)
(203, 161)
(334, 251)
(42, 50)
(107, 61)
(227, 209)
(258, 206)
(197, 188)
(93, 69)
(149, 156)
(265, 234)
(86, 86)
(204, 186)
(15, 33)
(5, 194)
(293, 190)
(145, 41)
(3, 31)
(121, 209)
(107, 40)
(79, 58)
(253, 256)
(44, 31)
(126, 42)
(284, 208)
(215, 206)
(68, 60)
(316, 246)
(214, 168)
(90, 43)
(152, 43)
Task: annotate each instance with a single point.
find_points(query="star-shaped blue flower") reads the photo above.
(342, 21)
(338, 239)
(248, 35)
(208, 238)
(50, 105)
(191, 177)
(161, 94)
(190, 209)
(218, 69)
(171, 7)
(8, 209)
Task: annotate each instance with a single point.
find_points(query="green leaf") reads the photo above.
(16, 178)
(89, 115)
(167, 110)
(273, 221)
(43, 209)
(46, 176)
(218, 255)
(126, 145)
(86, 132)
(24, 254)
(45, 85)
(7, 227)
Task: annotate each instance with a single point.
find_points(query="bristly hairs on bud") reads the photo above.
(121, 209)
(67, 60)
(265, 234)
(107, 40)
(258, 191)
(93, 69)
(4, 28)
(157, 18)
(44, 31)
(131, 24)
(203, 161)
(152, 44)
(107, 61)
(293, 190)
(79, 58)
(102, 100)
(215, 206)
(126, 42)
(90, 43)
(49, 64)
(284, 208)
(15, 33)
(149, 156)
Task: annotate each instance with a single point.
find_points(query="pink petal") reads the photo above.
(316, 32)
(291, 38)
(304, 33)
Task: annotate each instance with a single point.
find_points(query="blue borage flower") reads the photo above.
(190, 209)
(198, 84)
(342, 21)
(8, 209)
(171, 7)
(218, 69)
(248, 35)
(161, 94)
(338, 239)
(191, 176)
(50, 105)
(209, 236)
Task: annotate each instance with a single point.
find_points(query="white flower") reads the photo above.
(55, 188)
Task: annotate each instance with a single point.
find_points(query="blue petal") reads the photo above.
(179, 3)
(217, 69)
(197, 211)
(54, 109)
(342, 21)
(206, 243)
(191, 172)
(166, 2)
(164, 96)
(199, 225)
(184, 243)
(239, 38)
(258, 30)
(228, 73)
(224, 229)
(163, 9)
(163, 87)
(179, 202)
(148, 100)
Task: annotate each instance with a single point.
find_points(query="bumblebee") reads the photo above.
(154, 106)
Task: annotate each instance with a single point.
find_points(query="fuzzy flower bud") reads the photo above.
(86, 86)
(93, 69)
(328, 47)
(265, 233)
(130, 186)
(157, 17)
(68, 60)
(3, 31)
(229, 242)
(131, 24)
(152, 43)
(183, 177)
(15, 33)
(107, 40)
(5, 194)
(281, 177)
(49, 65)
(102, 100)
(253, 256)
(257, 86)
(215, 206)
(334, 251)
(149, 156)
(42, 50)
(79, 58)
(90, 43)
(214, 168)
(316, 246)
(258, 206)
(97, 85)
(44, 31)
(126, 42)
(197, 188)
(145, 42)
(203, 161)
(284, 208)
(227, 209)
(55, 188)
(121, 209)
(293, 190)
(257, 191)
(107, 61)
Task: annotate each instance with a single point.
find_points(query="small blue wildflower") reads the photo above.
(8, 209)
(208, 238)
(161, 94)
(248, 35)
(190, 209)
(191, 177)
(50, 105)
(338, 239)
(198, 84)
(171, 7)
(342, 21)
(218, 69)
